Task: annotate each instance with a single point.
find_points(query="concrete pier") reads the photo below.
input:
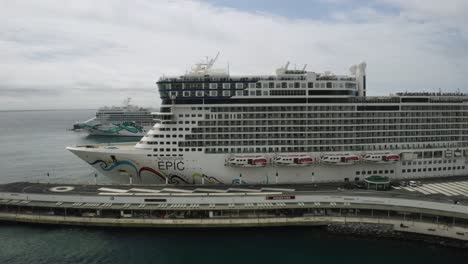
(231, 206)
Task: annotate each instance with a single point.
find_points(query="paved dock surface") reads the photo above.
(448, 189)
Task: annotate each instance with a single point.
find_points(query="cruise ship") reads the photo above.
(295, 126)
(126, 120)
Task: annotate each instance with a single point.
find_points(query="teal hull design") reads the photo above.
(130, 127)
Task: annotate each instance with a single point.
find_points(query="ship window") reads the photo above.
(386, 171)
(168, 149)
(363, 172)
(375, 172)
(419, 170)
(310, 85)
(403, 170)
(358, 173)
(193, 149)
(429, 169)
(187, 149)
(380, 172)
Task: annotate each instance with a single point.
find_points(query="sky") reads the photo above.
(57, 54)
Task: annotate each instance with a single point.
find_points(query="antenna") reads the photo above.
(353, 69)
(305, 66)
(286, 66)
(126, 102)
(212, 61)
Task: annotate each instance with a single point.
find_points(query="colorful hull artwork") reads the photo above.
(130, 127)
(163, 177)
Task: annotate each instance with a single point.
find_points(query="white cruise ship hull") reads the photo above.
(292, 127)
(120, 162)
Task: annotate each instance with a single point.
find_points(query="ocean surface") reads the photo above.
(32, 144)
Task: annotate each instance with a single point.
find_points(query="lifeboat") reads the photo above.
(248, 161)
(381, 157)
(340, 159)
(293, 160)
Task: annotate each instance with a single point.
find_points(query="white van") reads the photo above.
(412, 184)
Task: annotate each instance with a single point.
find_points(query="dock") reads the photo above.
(421, 211)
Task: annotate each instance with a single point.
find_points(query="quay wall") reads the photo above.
(431, 229)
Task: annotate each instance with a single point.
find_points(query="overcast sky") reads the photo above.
(57, 54)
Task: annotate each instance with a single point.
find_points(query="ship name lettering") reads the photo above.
(174, 165)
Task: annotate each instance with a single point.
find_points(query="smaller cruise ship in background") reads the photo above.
(126, 120)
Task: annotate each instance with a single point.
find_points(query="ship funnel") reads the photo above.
(361, 79)
(362, 68)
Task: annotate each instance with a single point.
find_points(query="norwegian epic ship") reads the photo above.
(295, 126)
(126, 120)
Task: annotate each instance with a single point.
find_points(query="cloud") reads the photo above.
(97, 53)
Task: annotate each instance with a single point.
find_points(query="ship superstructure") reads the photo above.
(125, 120)
(294, 126)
